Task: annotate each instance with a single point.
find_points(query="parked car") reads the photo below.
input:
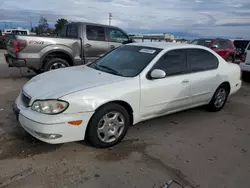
(224, 47)
(130, 84)
(245, 64)
(78, 44)
(240, 46)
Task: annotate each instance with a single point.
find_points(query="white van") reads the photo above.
(245, 63)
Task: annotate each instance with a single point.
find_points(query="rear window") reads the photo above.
(241, 43)
(69, 31)
(202, 42)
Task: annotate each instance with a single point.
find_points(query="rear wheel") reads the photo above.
(219, 99)
(108, 126)
(55, 63)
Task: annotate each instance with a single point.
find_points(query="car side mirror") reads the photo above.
(157, 74)
(214, 46)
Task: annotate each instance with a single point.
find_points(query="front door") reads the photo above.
(162, 96)
(204, 75)
(95, 43)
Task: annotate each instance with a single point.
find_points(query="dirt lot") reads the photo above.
(195, 148)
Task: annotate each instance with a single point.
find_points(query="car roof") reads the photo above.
(166, 45)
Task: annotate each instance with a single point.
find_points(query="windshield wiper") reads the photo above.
(110, 70)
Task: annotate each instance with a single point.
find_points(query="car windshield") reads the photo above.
(126, 61)
(202, 42)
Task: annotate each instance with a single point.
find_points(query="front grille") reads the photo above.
(25, 99)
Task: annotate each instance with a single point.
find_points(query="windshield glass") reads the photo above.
(126, 61)
(202, 42)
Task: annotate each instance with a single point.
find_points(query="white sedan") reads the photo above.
(132, 83)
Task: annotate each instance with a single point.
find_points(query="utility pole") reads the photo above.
(31, 25)
(110, 18)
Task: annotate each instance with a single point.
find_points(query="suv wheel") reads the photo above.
(55, 63)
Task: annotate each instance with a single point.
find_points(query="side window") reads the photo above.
(201, 60)
(229, 44)
(173, 62)
(95, 33)
(222, 43)
(72, 31)
(116, 35)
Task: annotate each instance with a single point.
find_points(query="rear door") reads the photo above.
(116, 37)
(95, 43)
(204, 75)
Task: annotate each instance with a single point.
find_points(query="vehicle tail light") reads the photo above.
(243, 58)
(19, 45)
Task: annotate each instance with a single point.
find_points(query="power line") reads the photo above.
(110, 18)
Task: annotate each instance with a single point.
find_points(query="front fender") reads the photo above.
(91, 99)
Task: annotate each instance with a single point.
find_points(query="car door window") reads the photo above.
(116, 35)
(201, 60)
(222, 44)
(173, 62)
(95, 33)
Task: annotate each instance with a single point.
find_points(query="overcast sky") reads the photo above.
(228, 18)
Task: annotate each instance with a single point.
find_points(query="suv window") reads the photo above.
(223, 44)
(95, 33)
(173, 62)
(202, 42)
(116, 35)
(201, 60)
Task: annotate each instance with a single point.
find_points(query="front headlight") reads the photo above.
(49, 106)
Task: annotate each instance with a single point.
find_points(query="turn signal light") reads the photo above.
(76, 122)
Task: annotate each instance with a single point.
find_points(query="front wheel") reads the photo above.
(108, 126)
(219, 99)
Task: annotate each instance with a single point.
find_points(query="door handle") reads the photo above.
(87, 45)
(185, 81)
(112, 46)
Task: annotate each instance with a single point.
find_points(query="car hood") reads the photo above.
(58, 83)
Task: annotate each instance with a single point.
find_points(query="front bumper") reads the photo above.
(52, 129)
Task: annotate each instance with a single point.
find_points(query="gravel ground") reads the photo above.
(196, 148)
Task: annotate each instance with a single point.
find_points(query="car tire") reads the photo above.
(103, 130)
(219, 98)
(55, 63)
(230, 59)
